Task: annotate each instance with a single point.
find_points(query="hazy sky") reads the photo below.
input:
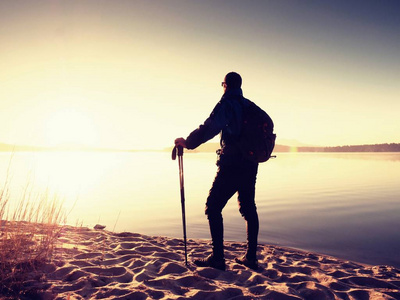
(138, 74)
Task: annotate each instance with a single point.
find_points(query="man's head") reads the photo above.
(232, 81)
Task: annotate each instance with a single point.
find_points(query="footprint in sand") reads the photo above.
(172, 268)
(114, 271)
(88, 255)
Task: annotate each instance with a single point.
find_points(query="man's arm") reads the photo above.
(217, 120)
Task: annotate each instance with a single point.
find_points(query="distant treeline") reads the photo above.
(355, 148)
(211, 147)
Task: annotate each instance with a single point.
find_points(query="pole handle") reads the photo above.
(177, 150)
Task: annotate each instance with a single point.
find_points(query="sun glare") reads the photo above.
(70, 127)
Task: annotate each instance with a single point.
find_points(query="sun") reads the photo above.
(70, 128)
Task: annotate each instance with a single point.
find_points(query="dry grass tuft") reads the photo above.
(28, 233)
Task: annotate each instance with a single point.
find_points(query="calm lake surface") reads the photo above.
(341, 204)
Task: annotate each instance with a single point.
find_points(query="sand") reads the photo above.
(98, 264)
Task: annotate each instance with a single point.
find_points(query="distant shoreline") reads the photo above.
(208, 147)
(392, 147)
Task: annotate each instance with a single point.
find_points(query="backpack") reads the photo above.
(256, 139)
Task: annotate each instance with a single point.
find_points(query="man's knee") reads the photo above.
(248, 212)
(214, 205)
(213, 211)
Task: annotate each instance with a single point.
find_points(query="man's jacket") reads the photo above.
(226, 119)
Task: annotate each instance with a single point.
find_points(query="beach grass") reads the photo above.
(25, 246)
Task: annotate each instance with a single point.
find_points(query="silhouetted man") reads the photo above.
(235, 173)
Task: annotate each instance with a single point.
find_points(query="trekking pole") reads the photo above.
(179, 150)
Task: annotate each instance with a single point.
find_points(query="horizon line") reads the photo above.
(4, 147)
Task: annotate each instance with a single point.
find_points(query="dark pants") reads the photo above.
(238, 177)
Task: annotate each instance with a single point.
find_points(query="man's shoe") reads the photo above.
(250, 263)
(210, 261)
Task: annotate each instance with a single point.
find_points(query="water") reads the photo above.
(344, 204)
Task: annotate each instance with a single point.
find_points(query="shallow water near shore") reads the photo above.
(341, 204)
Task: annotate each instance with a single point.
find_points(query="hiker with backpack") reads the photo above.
(233, 117)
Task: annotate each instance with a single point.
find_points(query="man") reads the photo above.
(235, 173)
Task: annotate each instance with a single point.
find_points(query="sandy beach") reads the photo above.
(98, 264)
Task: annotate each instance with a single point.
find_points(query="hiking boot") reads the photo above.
(210, 261)
(250, 263)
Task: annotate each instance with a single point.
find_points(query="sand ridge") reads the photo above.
(98, 264)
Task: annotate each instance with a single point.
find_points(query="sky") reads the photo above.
(138, 74)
